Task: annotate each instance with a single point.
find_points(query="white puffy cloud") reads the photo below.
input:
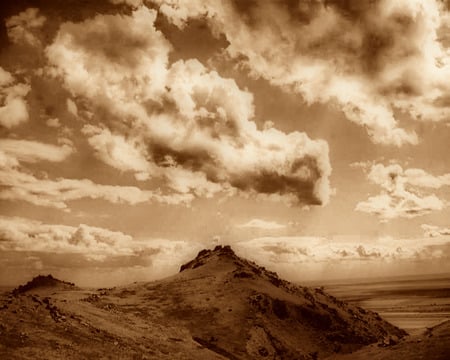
(21, 27)
(435, 231)
(13, 106)
(297, 250)
(371, 59)
(19, 183)
(32, 151)
(402, 192)
(180, 122)
(93, 243)
(262, 224)
(21, 234)
(117, 151)
(72, 107)
(53, 122)
(114, 59)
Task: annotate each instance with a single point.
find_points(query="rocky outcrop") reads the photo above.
(41, 281)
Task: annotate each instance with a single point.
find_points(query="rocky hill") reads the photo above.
(219, 306)
(42, 281)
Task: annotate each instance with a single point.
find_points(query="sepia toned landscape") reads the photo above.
(225, 179)
(219, 306)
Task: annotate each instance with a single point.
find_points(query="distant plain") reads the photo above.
(411, 303)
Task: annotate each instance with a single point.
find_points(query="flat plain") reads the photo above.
(410, 303)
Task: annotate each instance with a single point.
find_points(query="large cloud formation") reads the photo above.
(403, 192)
(373, 59)
(19, 183)
(100, 246)
(297, 250)
(178, 122)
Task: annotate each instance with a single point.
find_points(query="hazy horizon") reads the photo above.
(311, 136)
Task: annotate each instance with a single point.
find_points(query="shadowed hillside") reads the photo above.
(42, 281)
(219, 306)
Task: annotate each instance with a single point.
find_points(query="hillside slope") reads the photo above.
(219, 306)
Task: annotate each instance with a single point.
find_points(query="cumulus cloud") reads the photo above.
(295, 250)
(93, 243)
(33, 151)
(19, 183)
(56, 193)
(403, 192)
(72, 107)
(21, 28)
(53, 122)
(262, 224)
(13, 106)
(435, 231)
(117, 151)
(371, 59)
(180, 122)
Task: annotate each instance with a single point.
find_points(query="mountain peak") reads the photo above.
(205, 255)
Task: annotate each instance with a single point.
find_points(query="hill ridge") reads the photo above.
(41, 281)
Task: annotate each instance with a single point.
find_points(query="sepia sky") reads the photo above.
(313, 136)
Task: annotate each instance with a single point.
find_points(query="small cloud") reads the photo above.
(21, 28)
(34, 151)
(365, 165)
(54, 123)
(14, 110)
(435, 231)
(403, 192)
(72, 107)
(262, 224)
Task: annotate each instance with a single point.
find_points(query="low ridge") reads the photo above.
(41, 281)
